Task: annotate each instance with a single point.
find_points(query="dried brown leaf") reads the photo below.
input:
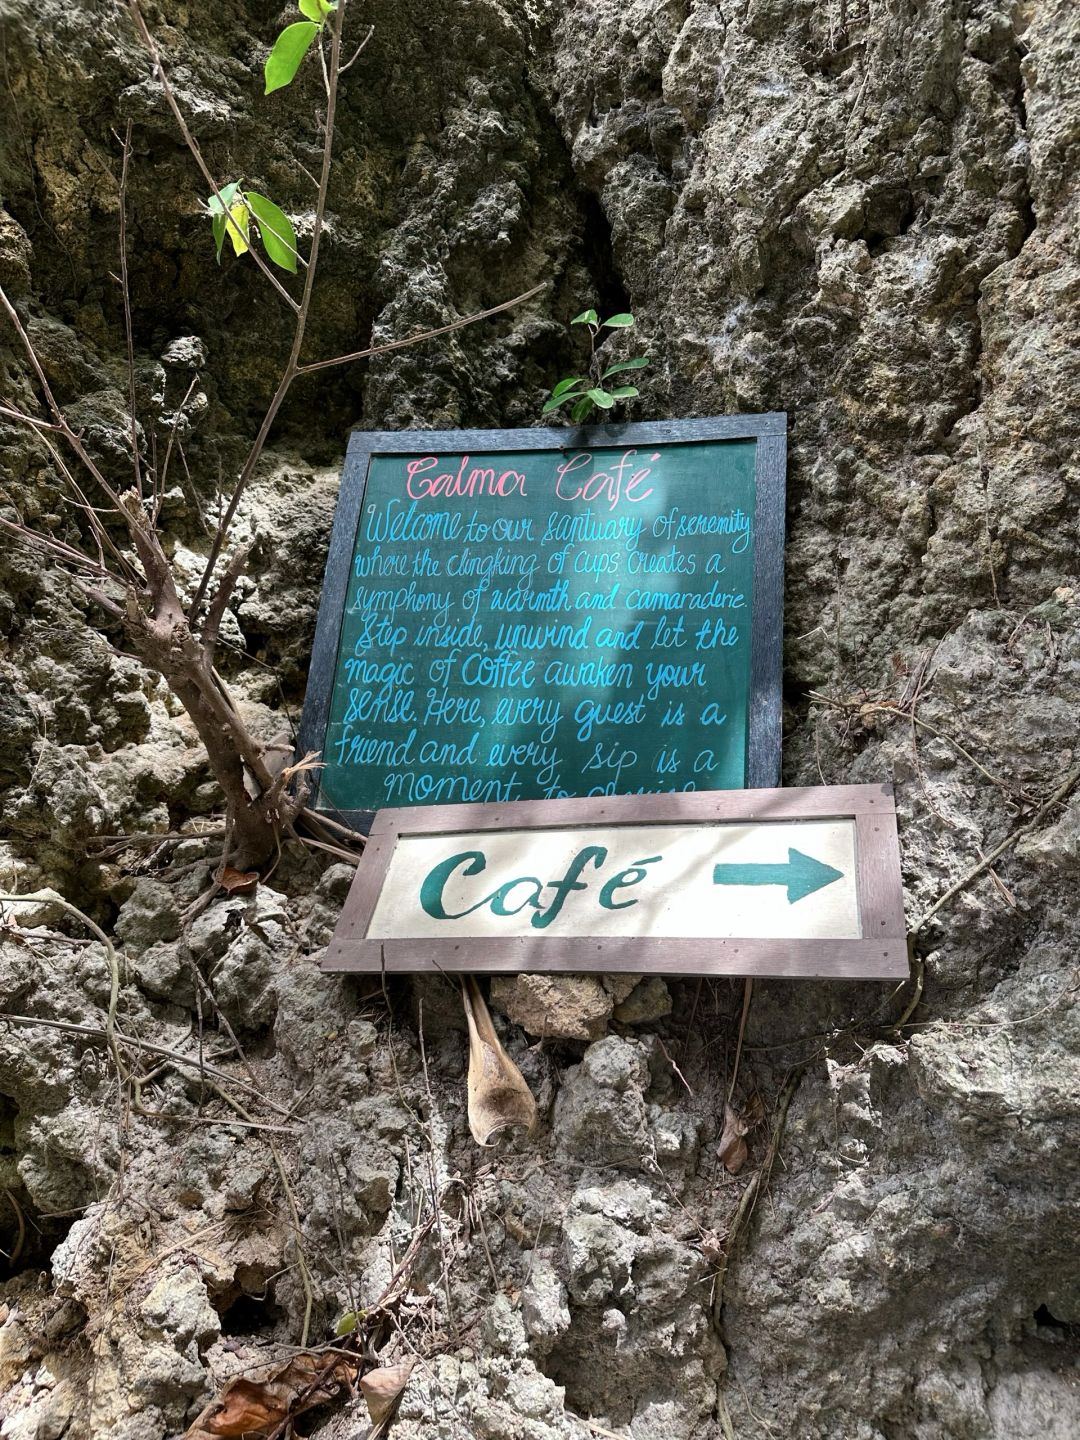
(754, 1112)
(733, 1149)
(258, 1406)
(383, 1388)
(712, 1243)
(238, 882)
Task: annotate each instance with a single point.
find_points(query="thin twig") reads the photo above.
(75, 441)
(358, 51)
(886, 708)
(206, 1120)
(102, 538)
(760, 1177)
(11, 412)
(408, 340)
(59, 548)
(596, 1428)
(1055, 799)
(918, 963)
(674, 1067)
(161, 480)
(125, 289)
(110, 1031)
(724, 1414)
(20, 1235)
(748, 990)
(95, 1032)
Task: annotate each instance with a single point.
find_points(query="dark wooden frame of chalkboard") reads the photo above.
(879, 954)
(766, 628)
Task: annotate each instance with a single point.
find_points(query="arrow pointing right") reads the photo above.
(802, 875)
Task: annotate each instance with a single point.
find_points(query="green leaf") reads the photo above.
(557, 400)
(290, 47)
(348, 1322)
(587, 317)
(228, 195)
(619, 322)
(568, 384)
(601, 398)
(582, 410)
(625, 392)
(638, 363)
(219, 234)
(316, 10)
(275, 227)
(237, 225)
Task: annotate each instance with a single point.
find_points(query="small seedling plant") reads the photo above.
(586, 393)
(232, 208)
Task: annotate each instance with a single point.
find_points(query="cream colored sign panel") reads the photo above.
(772, 879)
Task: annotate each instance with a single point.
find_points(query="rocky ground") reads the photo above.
(863, 214)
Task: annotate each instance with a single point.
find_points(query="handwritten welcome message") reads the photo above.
(536, 625)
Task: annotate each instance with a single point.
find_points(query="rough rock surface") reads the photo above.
(863, 214)
(578, 1007)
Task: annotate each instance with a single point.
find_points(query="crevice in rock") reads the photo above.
(248, 1305)
(890, 213)
(27, 1238)
(251, 1315)
(1046, 1320)
(599, 256)
(1026, 208)
(597, 249)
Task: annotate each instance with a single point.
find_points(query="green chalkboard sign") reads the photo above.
(538, 614)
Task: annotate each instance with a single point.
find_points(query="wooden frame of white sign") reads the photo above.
(880, 952)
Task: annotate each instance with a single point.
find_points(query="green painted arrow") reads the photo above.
(802, 875)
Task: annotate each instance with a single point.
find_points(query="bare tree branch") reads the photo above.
(60, 548)
(75, 441)
(10, 412)
(216, 610)
(102, 539)
(101, 599)
(408, 340)
(161, 479)
(191, 143)
(126, 291)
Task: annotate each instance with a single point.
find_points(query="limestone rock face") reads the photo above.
(556, 1007)
(862, 214)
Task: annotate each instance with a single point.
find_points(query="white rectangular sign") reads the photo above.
(779, 879)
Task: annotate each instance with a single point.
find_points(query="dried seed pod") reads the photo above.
(499, 1098)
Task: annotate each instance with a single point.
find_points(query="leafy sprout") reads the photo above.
(587, 393)
(294, 42)
(232, 210)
